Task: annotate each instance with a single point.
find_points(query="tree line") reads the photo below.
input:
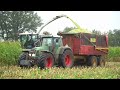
(14, 22)
(113, 36)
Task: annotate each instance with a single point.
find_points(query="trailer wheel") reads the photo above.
(101, 61)
(92, 61)
(22, 59)
(46, 61)
(66, 59)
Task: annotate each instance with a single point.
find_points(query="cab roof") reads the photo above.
(26, 33)
(48, 36)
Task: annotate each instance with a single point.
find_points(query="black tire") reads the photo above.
(101, 61)
(92, 61)
(23, 57)
(66, 59)
(46, 61)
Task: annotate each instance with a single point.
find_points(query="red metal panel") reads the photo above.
(78, 48)
(90, 50)
(73, 42)
(64, 39)
(76, 45)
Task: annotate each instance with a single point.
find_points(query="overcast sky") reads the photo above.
(99, 20)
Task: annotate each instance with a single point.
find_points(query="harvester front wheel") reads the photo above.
(66, 59)
(46, 61)
(22, 59)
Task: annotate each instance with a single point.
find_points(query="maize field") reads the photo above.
(10, 51)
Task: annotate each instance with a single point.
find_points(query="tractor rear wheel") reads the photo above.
(46, 61)
(101, 61)
(66, 59)
(92, 61)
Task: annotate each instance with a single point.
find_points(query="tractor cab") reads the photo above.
(48, 43)
(27, 40)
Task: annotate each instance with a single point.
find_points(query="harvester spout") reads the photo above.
(57, 17)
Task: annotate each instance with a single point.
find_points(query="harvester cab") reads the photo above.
(27, 40)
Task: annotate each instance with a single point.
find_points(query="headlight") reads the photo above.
(32, 53)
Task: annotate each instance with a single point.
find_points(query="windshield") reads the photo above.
(34, 37)
(23, 39)
(47, 41)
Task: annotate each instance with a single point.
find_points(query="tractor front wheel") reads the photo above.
(46, 61)
(66, 59)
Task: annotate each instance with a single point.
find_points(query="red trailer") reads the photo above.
(88, 48)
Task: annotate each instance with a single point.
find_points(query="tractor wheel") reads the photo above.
(92, 61)
(46, 61)
(22, 59)
(101, 61)
(66, 59)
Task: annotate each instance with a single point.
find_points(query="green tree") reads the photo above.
(67, 29)
(117, 37)
(46, 33)
(14, 22)
(4, 23)
(111, 38)
(96, 32)
(114, 37)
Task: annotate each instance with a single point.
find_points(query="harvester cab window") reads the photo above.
(34, 37)
(29, 43)
(23, 40)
